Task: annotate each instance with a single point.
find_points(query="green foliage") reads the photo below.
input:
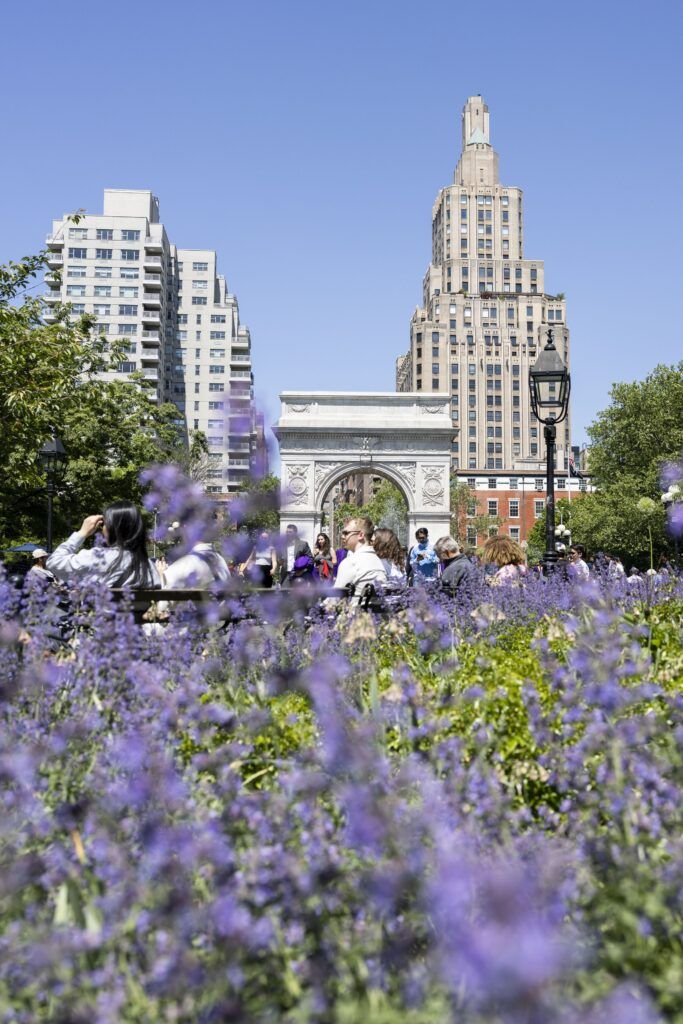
(49, 379)
(465, 512)
(259, 502)
(640, 429)
(630, 440)
(610, 521)
(386, 507)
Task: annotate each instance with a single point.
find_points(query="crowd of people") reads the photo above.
(367, 558)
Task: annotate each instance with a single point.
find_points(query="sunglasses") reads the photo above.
(349, 533)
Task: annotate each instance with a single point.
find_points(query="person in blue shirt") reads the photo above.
(423, 561)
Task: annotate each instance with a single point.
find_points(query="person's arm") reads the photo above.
(333, 558)
(69, 560)
(273, 561)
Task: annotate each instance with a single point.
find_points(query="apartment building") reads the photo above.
(173, 313)
(484, 317)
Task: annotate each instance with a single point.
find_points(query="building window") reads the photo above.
(75, 289)
(216, 368)
(217, 353)
(217, 318)
(539, 505)
(78, 233)
(200, 266)
(492, 483)
(514, 508)
(200, 285)
(129, 274)
(101, 310)
(130, 254)
(128, 310)
(128, 329)
(199, 300)
(514, 533)
(79, 272)
(492, 506)
(130, 235)
(128, 292)
(78, 254)
(104, 234)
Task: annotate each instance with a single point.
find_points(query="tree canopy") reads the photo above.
(49, 379)
(632, 439)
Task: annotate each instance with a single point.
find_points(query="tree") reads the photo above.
(256, 506)
(632, 438)
(387, 507)
(49, 379)
(465, 512)
(639, 430)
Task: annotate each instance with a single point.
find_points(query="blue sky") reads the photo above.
(306, 142)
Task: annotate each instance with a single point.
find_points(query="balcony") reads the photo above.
(53, 296)
(152, 280)
(239, 357)
(152, 299)
(238, 446)
(53, 280)
(50, 317)
(240, 375)
(152, 262)
(55, 260)
(151, 316)
(54, 242)
(154, 245)
(240, 463)
(151, 337)
(150, 373)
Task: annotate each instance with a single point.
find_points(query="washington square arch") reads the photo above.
(326, 436)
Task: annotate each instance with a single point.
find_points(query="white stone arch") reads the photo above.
(402, 436)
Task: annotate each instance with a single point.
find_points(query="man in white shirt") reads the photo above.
(361, 565)
(578, 568)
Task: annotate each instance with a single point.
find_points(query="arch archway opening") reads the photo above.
(364, 490)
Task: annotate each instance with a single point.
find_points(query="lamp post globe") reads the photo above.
(549, 389)
(52, 457)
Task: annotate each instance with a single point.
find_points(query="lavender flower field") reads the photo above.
(466, 812)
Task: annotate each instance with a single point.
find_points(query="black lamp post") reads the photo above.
(53, 460)
(549, 387)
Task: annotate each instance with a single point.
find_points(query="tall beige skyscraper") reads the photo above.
(484, 315)
(173, 312)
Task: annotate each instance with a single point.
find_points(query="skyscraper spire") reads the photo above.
(478, 163)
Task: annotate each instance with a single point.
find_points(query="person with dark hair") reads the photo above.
(423, 561)
(122, 561)
(578, 569)
(325, 558)
(293, 548)
(392, 556)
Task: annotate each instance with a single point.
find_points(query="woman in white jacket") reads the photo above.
(122, 562)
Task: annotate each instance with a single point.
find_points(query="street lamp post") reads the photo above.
(53, 460)
(549, 387)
